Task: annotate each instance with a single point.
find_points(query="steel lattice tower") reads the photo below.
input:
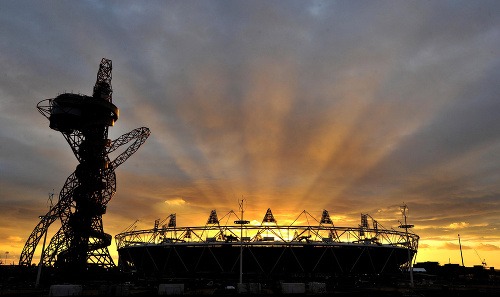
(84, 122)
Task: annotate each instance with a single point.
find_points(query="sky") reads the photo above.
(349, 106)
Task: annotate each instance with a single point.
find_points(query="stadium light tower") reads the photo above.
(241, 222)
(406, 226)
(84, 121)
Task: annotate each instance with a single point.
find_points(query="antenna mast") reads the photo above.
(407, 226)
(241, 222)
(461, 255)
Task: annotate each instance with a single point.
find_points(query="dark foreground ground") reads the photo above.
(472, 291)
(438, 290)
(20, 281)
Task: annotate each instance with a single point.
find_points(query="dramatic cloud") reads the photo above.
(455, 247)
(488, 247)
(354, 107)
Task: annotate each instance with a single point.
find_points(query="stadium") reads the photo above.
(229, 247)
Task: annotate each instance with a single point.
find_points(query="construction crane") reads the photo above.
(84, 121)
(483, 261)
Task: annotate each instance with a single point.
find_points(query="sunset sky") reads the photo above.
(349, 106)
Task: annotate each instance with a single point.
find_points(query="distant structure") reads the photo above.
(406, 226)
(306, 249)
(81, 243)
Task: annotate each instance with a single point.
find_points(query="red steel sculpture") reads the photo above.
(84, 120)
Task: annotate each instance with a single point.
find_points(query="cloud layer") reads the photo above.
(349, 107)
